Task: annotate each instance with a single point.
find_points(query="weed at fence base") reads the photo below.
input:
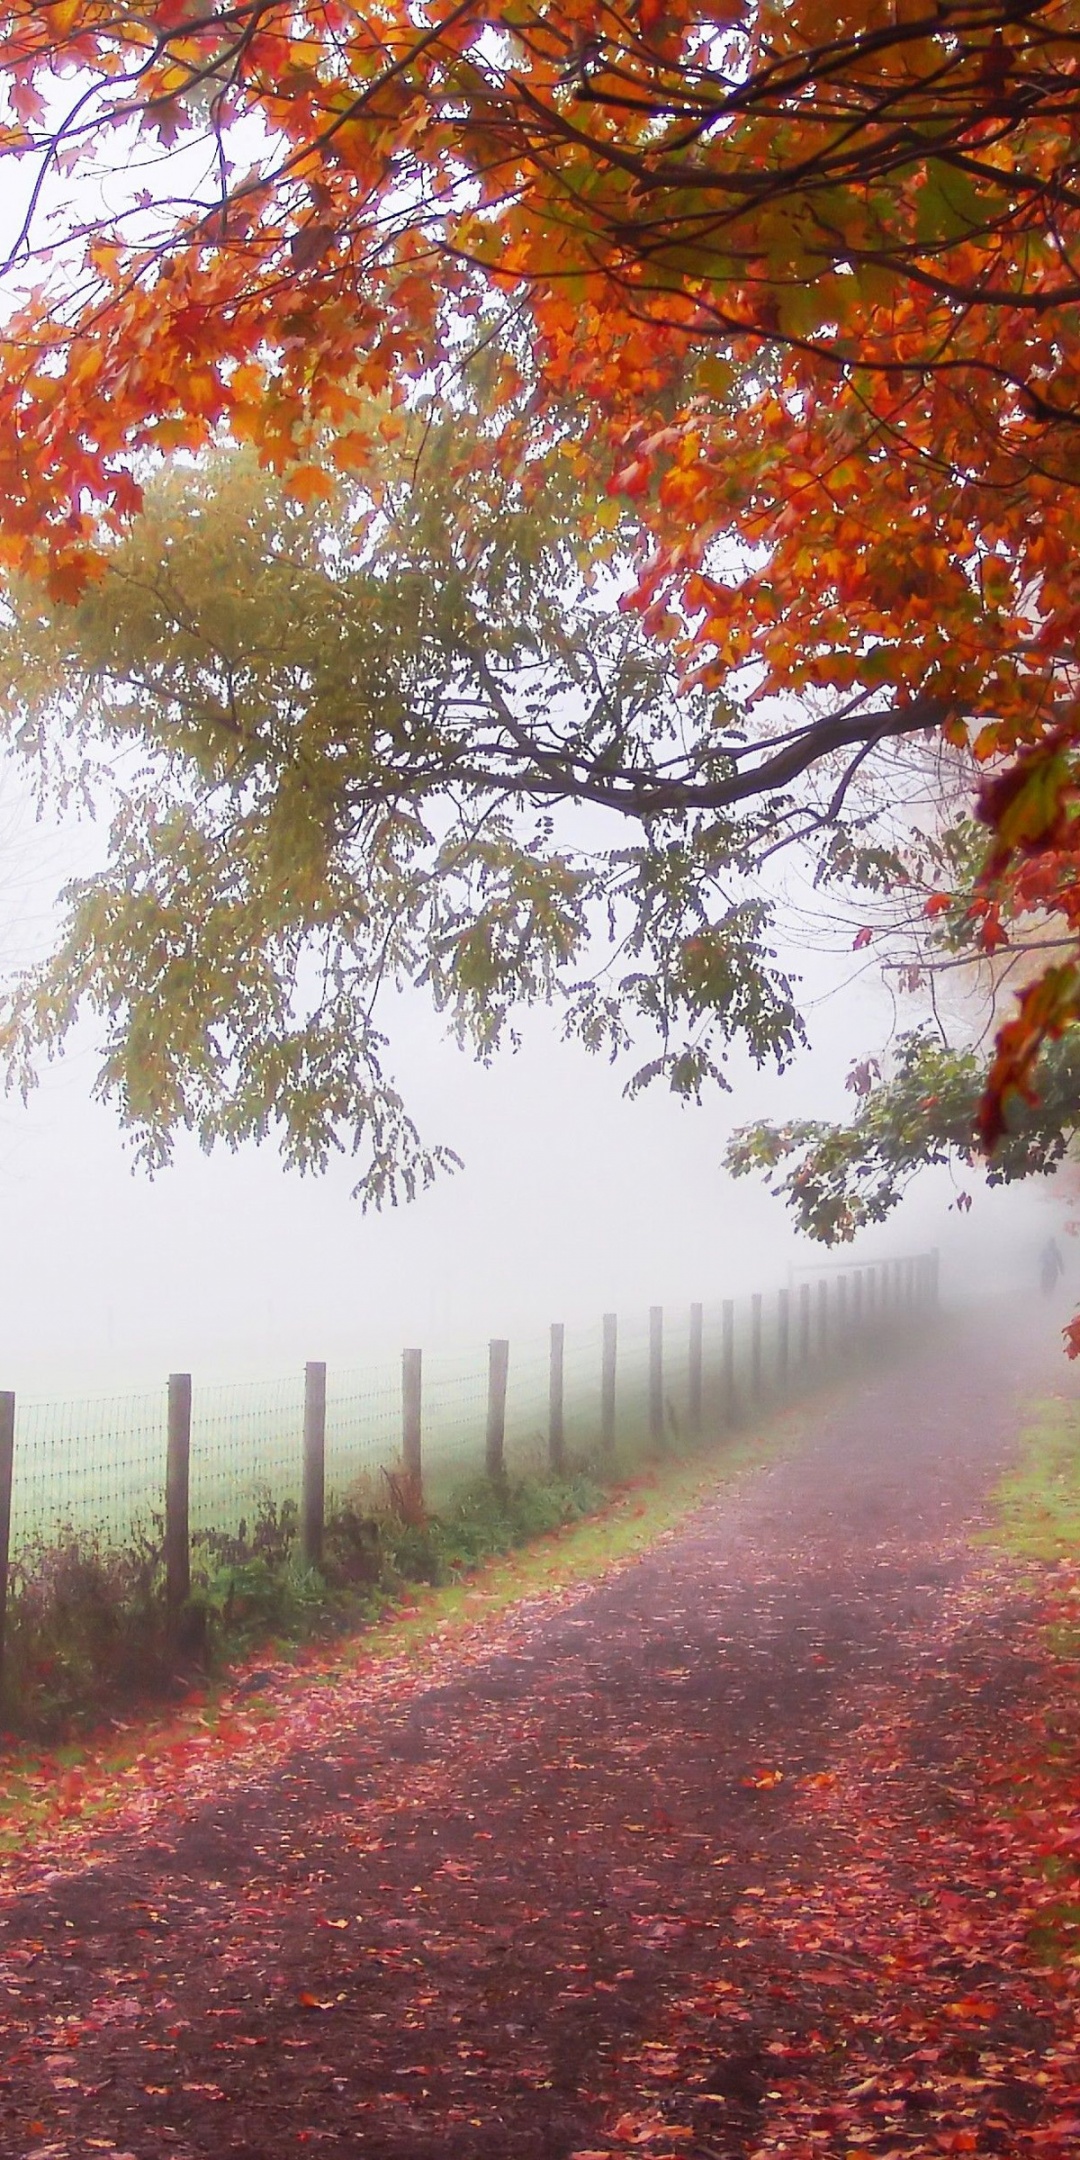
(89, 1632)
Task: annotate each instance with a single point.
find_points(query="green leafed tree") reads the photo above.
(343, 740)
(964, 952)
(841, 1178)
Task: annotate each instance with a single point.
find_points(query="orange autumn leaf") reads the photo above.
(309, 484)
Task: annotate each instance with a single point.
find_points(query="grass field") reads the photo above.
(99, 1463)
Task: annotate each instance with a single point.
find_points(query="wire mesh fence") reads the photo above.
(613, 1390)
(243, 1442)
(96, 1462)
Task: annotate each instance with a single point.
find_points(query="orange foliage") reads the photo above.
(799, 279)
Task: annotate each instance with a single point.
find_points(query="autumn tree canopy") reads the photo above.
(799, 284)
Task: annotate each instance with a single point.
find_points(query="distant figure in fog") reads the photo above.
(1051, 1265)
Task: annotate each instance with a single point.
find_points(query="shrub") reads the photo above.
(87, 1620)
(251, 1582)
(481, 1520)
(352, 1546)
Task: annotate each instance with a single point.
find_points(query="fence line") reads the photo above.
(89, 1467)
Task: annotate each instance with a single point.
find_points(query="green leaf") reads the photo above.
(949, 206)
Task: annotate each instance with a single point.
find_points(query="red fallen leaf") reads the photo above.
(70, 1793)
(314, 2002)
(645, 2129)
(763, 1780)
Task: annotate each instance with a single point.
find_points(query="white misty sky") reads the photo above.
(572, 1201)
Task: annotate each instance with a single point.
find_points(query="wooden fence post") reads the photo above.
(823, 1318)
(755, 1345)
(177, 1498)
(804, 1323)
(313, 1507)
(656, 1375)
(556, 1401)
(498, 1368)
(697, 1331)
(842, 1342)
(935, 1276)
(783, 1340)
(731, 1405)
(871, 1296)
(857, 1302)
(607, 1382)
(7, 1474)
(412, 1440)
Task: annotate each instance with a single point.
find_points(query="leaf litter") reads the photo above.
(768, 1843)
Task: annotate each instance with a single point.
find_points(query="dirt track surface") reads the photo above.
(462, 1909)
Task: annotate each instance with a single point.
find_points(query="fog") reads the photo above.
(572, 1200)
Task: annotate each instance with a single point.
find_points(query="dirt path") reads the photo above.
(468, 1910)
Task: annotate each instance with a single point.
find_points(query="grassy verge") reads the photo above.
(1037, 1520)
(83, 1774)
(1037, 1502)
